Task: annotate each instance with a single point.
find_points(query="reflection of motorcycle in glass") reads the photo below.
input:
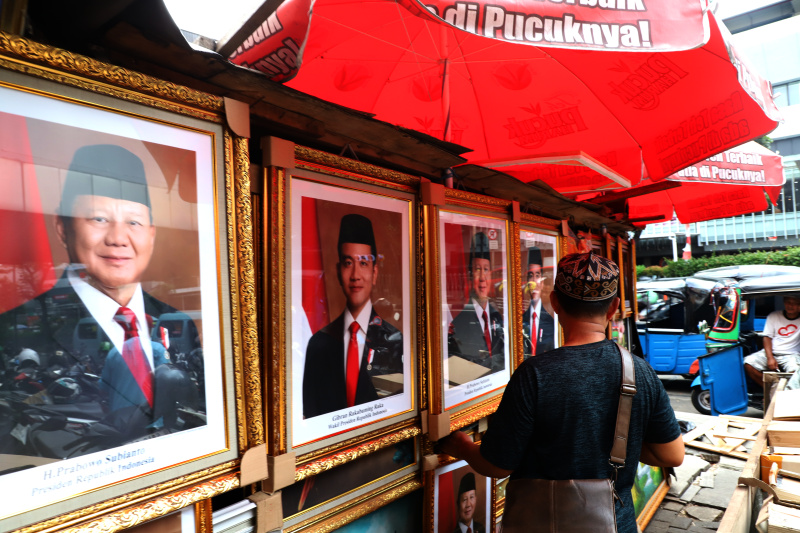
(62, 413)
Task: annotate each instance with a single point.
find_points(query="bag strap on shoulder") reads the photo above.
(627, 390)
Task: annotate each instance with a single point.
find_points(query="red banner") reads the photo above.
(732, 183)
(748, 164)
(629, 25)
(648, 25)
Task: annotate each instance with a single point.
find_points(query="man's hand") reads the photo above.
(772, 364)
(457, 444)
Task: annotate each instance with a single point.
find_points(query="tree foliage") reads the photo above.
(681, 268)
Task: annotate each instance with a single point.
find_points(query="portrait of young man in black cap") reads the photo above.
(105, 224)
(538, 326)
(477, 333)
(343, 357)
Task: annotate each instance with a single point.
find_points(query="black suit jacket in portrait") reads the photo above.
(466, 339)
(324, 387)
(544, 334)
(70, 337)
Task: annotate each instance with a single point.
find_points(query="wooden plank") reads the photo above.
(698, 431)
(712, 448)
(734, 437)
(721, 427)
(740, 418)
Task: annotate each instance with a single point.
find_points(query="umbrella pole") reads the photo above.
(446, 130)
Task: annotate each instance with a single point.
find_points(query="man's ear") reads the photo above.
(374, 273)
(612, 308)
(555, 303)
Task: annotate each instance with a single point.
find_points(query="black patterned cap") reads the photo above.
(587, 277)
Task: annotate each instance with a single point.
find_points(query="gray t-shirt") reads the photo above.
(556, 419)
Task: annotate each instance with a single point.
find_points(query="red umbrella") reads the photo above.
(580, 119)
(735, 182)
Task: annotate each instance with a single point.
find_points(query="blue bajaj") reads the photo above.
(700, 328)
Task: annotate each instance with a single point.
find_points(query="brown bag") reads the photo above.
(574, 505)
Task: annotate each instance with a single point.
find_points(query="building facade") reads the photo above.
(768, 34)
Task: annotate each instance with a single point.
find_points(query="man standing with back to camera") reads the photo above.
(557, 416)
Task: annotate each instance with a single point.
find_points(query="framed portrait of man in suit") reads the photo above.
(538, 259)
(461, 500)
(113, 260)
(352, 346)
(474, 306)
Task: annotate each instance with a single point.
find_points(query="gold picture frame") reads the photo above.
(55, 104)
(460, 223)
(330, 188)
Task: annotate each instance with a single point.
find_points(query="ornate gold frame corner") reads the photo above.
(101, 84)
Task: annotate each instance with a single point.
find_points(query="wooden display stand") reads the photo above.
(740, 516)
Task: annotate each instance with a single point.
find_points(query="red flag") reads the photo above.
(455, 265)
(25, 257)
(447, 503)
(315, 300)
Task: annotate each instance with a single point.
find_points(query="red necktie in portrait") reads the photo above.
(469, 529)
(486, 332)
(133, 354)
(352, 365)
(534, 333)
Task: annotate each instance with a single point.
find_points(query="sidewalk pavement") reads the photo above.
(696, 501)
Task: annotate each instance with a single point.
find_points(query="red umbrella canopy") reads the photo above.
(735, 182)
(631, 91)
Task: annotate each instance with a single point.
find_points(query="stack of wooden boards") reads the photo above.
(725, 434)
(780, 464)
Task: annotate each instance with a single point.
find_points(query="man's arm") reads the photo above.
(460, 446)
(772, 364)
(668, 454)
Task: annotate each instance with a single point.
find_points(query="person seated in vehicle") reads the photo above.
(781, 343)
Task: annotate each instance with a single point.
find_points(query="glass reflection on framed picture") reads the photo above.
(538, 260)
(352, 364)
(473, 272)
(113, 344)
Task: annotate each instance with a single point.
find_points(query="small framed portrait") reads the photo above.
(460, 499)
(351, 355)
(115, 311)
(475, 306)
(312, 498)
(627, 265)
(538, 260)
